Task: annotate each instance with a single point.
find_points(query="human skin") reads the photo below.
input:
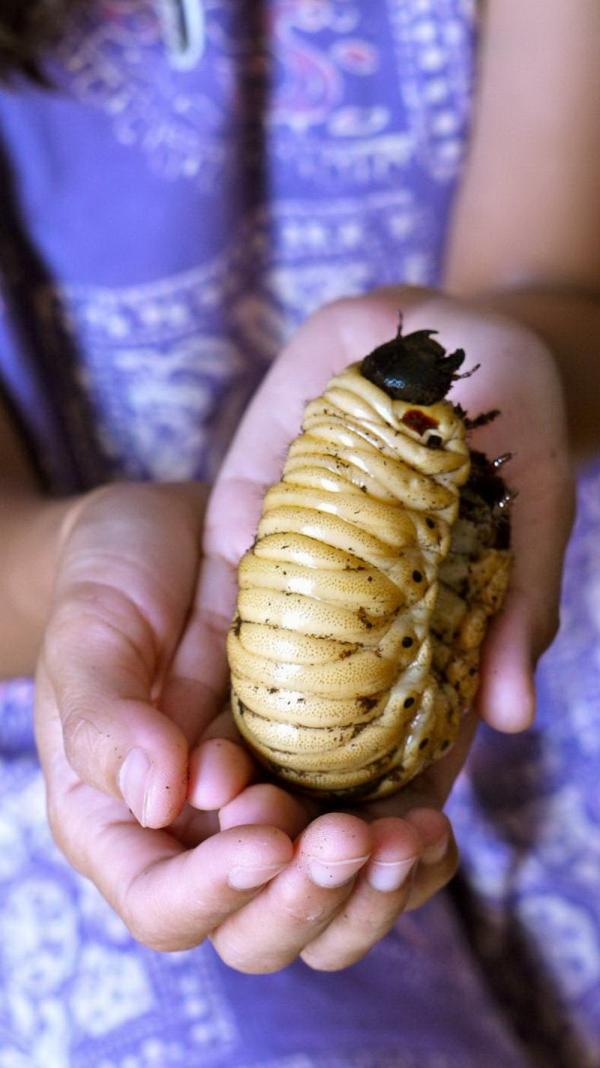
(133, 659)
(119, 600)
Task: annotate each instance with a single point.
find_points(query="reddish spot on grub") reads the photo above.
(419, 421)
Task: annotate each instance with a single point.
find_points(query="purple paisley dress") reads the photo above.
(204, 174)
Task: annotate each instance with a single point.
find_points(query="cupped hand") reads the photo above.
(517, 376)
(133, 675)
(129, 676)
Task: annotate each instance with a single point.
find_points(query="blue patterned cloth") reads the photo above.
(164, 227)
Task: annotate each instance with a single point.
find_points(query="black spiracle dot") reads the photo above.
(424, 743)
(407, 642)
(430, 523)
(417, 576)
(409, 702)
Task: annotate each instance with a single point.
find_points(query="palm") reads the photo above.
(134, 660)
(530, 427)
(515, 375)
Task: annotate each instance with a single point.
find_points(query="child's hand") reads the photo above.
(132, 675)
(134, 659)
(517, 375)
(129, 676)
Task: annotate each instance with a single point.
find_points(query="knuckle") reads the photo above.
(138, 917)
(323, 961)
(147, 936)
(149, 921)
(246, 961)
(298, 915)
(82, 738)
(145, 930)
(98, 615)
(373, 925)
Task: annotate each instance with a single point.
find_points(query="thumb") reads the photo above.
(125, 580)
(529, 618)
(94, 706)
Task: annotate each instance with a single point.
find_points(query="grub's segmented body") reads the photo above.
(355, 644)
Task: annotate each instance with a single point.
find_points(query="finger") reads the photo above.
(195, 704)
(506, 696)
(219, 769)
(541, 518)
(437, 865)
(378, 897)
(191, 826)
(196, 689)
(116, 742)
(439, 857)
(170, 898)
(123, 588)
(434, 830)
(528, 620)
(264, 803)
(299, 903)
(517, 376)
(517, 636)
(200, 655)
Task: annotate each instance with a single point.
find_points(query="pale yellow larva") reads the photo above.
(364, 600)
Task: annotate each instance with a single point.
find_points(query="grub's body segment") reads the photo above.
(351, 662)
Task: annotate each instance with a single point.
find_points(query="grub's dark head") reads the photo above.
(414, 368)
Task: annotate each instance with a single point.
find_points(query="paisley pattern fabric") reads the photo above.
(163, 227)
(311, 153)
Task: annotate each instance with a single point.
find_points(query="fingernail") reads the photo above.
(389, 875)
(435, 852)
(133, 782)
(249, 878)
(334, 872)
